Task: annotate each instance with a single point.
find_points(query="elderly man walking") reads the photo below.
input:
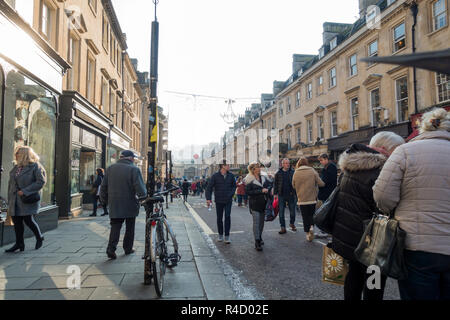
(122, 183)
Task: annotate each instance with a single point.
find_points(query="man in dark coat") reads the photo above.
(285, 193)
(329, 176)
(223, 183)
(185, 189)
(122, 183)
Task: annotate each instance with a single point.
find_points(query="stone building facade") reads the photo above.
(333, 99)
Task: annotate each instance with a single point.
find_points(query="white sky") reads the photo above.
(225, 48)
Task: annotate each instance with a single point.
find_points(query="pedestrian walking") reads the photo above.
(285, 193)
(361, 166)
(122, 183)
(185, 189)
(201, 189)
(26, 180)
(223, 184)
(158, 185)
(306, 182)
(96, 192)
(258, 188)
(240, 191)
(329, 177)
(415, 183)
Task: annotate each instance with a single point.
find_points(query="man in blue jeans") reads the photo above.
(285, 193)
(223, 184)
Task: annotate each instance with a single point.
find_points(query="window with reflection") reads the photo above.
(30, 120)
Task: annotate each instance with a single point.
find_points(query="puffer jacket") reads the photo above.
(253, 188)
(306, 182)
(361, 167)
(416, 183)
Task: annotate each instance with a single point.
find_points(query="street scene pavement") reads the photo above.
(289, 267)
(43, 274)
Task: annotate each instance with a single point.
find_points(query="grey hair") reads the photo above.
(387, 139)
(286, 159)
(436, 119)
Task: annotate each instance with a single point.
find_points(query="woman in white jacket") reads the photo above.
(415, 182)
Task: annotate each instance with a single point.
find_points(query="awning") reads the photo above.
(438, 61)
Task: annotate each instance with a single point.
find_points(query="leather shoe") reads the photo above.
(129, 252)
(104, 214)
(293, 228)
(111, 254)
(282, 231)
(39, 243)
(15, 248)
(93, 215)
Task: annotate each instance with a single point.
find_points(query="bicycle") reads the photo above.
(161, 251)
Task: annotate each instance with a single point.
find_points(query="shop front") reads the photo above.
(31, 76)
(339, 144)
(118, 141)
(83, 131)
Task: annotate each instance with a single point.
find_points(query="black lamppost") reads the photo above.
(152, 143)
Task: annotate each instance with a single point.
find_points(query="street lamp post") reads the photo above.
(152, 143)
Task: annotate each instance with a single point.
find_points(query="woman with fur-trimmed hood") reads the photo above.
(361, 166)
(258, 188)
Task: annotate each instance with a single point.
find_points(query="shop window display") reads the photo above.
(30, 120)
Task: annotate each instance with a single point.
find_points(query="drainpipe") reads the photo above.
(414, 9)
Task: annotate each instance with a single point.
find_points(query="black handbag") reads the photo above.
(383, 245)
(32, 198)
(325, 215)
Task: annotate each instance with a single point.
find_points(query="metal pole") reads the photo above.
(151, 156)
(170, 175)
(167, 181)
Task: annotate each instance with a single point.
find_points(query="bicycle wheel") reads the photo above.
(171, 245)
(158, 257)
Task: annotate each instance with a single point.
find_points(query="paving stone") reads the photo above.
(208, 265)
(46, 260)
(32, 270)
(63, 294)
(18, 294)
(102, 280)
(124, 293)
(54, 282)
(17, 283)
(216, 287)
(111, 267)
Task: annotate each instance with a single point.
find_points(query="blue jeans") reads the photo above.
(239, 198)
(428, 276)
(220, 208)
(282, 205)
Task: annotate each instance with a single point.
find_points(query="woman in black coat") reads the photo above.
(96, 193)
(361, 166)
(258, 188)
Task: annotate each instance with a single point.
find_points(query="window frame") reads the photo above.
(90, 58)
(397, 40)
(321, 127)
(397, 101)
(354, 116)
(433, 16)
(330, 77)
(320, 85)
(372, 109)
(372, 54)
(309, 91)
(350, 65)
(442, 84)
(298, 97)
(332, 124)
(309, 130)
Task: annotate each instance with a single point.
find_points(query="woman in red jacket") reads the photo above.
(240, 191)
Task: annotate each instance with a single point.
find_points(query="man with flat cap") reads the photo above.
(121, 186)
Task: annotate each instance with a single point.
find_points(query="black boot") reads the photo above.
(16, 247)
(39, 243)
(258, 245)
(93, 215)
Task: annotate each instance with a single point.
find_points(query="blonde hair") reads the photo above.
(25, 156)
(252, 166)
(302, 162)
(436, 119)
(387, 139)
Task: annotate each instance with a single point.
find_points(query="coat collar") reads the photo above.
(25, 169)
(252, 179)
(438, 134)
(361, 160)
